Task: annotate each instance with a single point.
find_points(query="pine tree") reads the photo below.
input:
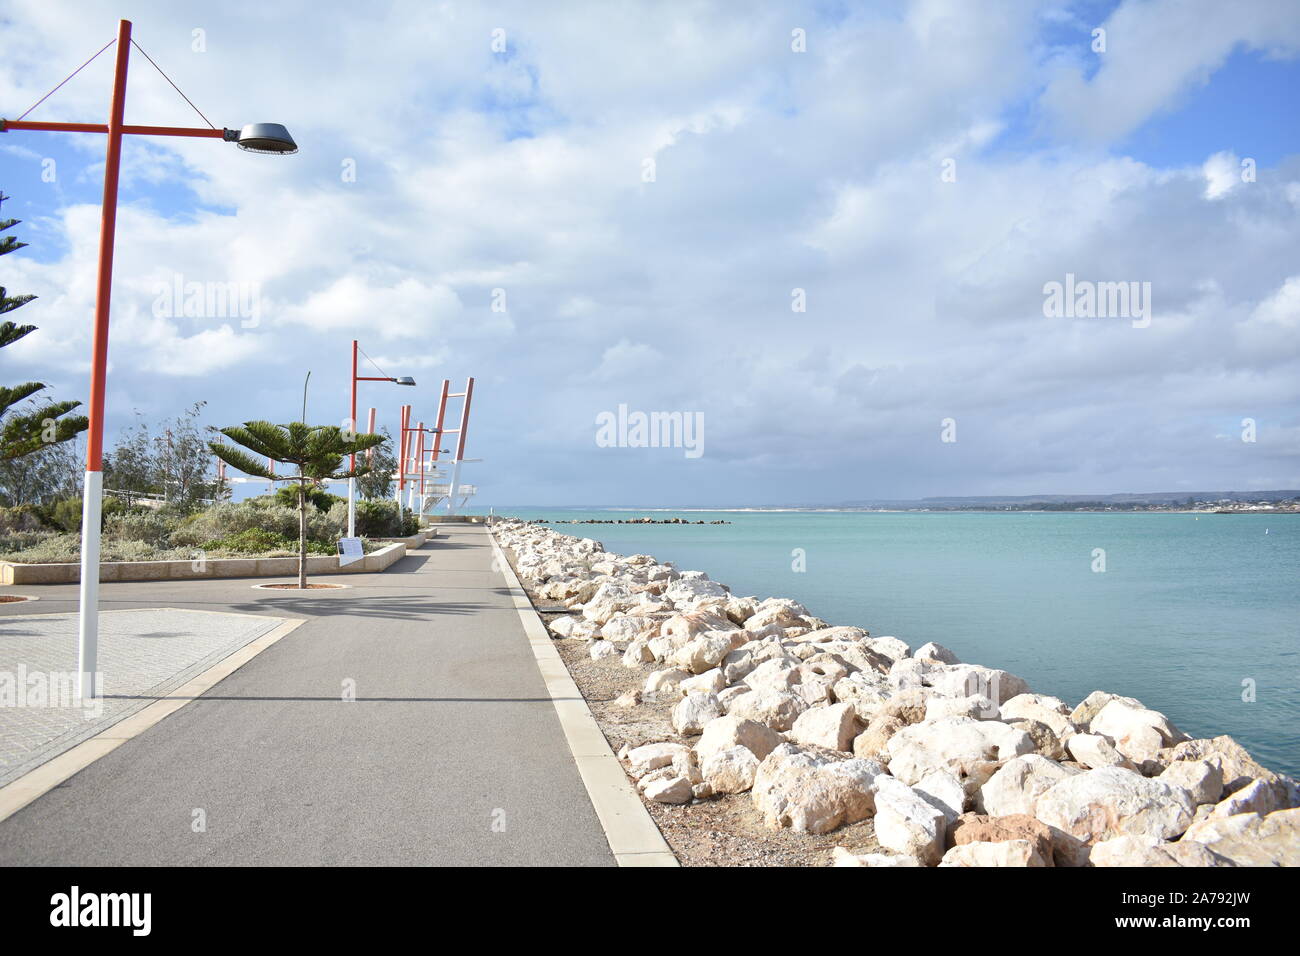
(34, 428)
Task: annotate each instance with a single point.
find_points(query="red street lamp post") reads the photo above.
(352, 427)
(258, 137)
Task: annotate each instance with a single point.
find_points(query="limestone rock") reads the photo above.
(890, 647)
(1256, 797)
(1004, 853)
(1238, 767)
(1091, 705)
(834, 727)
(637, 653)
(625, 628)
(977, 828)
(1130, 850)
(963, 680)
(872, 741)
(693, 711)
(1248, 839)
(977, 707)
(841, 856)
(702, 653)
(943, 791)
(675, 790)
(731, 731)
(1018, 784)
(960, 744)
(648, 757)
(663, 684)
(1051, 711)
(1094, 751)
(776, 709)
(1203, 779)
(935, 652)
(599, 650)
(776, 674)
(1100, 804)
(907, 705)
(811, 793)
(1138, 733)
(907, 823)
(731, 770)
(1046, 742)
(709, 682)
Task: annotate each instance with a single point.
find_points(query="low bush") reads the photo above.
(259, 541)
(23, 518)
(149, 527)
(380, 519)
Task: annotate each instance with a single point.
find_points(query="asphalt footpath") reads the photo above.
(404, 723)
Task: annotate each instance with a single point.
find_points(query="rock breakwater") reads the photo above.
(954, 764)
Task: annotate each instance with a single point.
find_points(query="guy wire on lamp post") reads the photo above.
(257, 138)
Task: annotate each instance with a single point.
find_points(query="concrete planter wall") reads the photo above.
(454, 519)
(191, 570)
(413, 542)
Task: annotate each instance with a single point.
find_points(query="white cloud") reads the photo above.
(776, 170)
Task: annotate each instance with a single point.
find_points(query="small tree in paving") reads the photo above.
(317, 451)
(42, 425)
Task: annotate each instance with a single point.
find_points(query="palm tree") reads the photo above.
(317, 451)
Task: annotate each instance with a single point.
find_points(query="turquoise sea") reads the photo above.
(1188, 608)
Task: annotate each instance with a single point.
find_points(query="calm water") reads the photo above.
(1188, 607)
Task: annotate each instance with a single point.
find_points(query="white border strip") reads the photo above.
(39, 781)
(629, 829)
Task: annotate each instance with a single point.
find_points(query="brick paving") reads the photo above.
(143, 654)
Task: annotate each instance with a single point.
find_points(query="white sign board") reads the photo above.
(350, 550)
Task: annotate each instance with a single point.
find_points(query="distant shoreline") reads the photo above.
(937, 511)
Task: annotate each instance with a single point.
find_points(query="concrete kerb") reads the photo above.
(633, 837)
(28, 574)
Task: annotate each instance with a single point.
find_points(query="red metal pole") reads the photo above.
(107, 231)
(442, 412)
(464, 421)
(352, 422)
(93, 489)
(402, 445)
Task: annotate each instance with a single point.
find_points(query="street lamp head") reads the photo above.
(263, 138)
(404, 380)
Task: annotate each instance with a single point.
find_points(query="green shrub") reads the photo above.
(65, 515)
(378, 518)
(65, 548)
(259, 541)
(23, 518)
(230, 518)
(319, 497)
(150, 527)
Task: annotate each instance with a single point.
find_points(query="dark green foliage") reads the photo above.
(318, 452)
(39, 424)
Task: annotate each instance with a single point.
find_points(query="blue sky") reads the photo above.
(525, 171)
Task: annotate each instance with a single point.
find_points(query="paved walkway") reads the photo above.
(451, 753)
(144, 654)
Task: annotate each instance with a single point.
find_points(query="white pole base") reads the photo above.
(88, 626)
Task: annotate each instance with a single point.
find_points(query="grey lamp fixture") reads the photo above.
(404, 380)
(262, 138)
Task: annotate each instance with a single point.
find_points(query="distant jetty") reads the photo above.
(623, 521)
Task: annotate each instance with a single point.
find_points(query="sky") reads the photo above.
(823, 232)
